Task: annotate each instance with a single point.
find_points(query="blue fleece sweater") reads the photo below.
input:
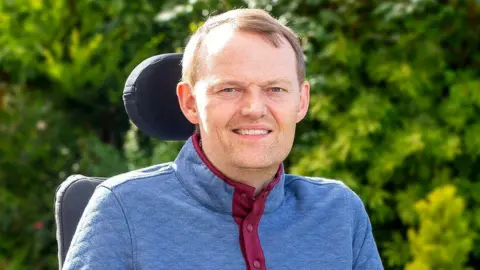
(187, 215)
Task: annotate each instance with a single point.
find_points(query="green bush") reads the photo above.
(395, 108)
(444, 238)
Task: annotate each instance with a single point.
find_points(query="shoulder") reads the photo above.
(318, 189)
(315, 185)
(149, 178)
(313, 181)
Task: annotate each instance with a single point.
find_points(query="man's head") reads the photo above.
(244, 86)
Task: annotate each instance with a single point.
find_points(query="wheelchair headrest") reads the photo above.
(151, 101)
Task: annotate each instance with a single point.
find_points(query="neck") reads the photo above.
(257, 178)
(254, 177)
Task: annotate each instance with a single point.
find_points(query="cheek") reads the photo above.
(285, 114)
(217, 114)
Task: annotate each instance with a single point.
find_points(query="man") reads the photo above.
(226, 202)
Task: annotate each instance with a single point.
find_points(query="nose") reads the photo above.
(254, 104)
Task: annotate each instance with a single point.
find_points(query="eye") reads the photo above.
(228, 90)
(276, 89)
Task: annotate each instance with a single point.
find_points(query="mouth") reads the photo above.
(252, 132)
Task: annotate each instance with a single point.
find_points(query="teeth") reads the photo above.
(252, 131)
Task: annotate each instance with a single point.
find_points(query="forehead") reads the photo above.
(245, 56)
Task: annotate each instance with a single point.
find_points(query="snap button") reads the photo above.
(256, 263)
(244, 195)
(250, 227)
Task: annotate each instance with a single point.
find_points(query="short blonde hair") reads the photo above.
(250, 20)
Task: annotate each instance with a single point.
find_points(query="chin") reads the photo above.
(249, 165)
(256, 163)
(257, 158)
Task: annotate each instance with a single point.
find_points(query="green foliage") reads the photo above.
(394, 113)
(444, 238)
(161, 152)
(33, 156)
(394, 106)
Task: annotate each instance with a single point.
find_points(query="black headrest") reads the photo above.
(151, 101)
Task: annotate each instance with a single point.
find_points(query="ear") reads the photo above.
(304, 101)
(187, 102)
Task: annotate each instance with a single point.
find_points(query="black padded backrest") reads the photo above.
(71, 198)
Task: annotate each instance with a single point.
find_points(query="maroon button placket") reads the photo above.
(247, 213)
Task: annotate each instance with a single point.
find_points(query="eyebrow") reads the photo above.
(277, 81)
(242, 84)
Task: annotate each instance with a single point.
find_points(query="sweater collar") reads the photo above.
(213, 189)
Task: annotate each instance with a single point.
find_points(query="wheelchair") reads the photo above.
(151, 103)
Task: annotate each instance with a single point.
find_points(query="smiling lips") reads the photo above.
(251, 131)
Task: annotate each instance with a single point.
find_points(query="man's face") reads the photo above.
(247, 99)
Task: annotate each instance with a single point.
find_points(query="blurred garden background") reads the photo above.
(395, 112)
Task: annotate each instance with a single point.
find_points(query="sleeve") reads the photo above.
(102, 239)
(365, 251)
